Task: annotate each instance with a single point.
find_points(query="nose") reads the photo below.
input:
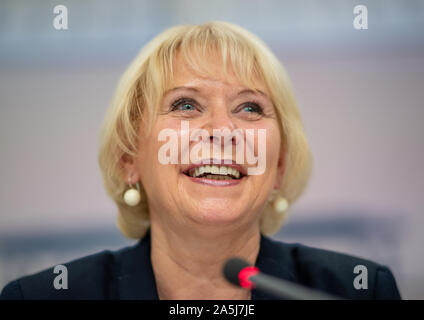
(218, 119)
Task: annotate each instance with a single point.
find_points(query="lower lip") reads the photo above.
(216, 183)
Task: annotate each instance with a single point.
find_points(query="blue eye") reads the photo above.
(252, 107)
(249, 109)
(187, 106)
(183, 105)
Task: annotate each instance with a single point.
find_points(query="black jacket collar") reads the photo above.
(135, 278)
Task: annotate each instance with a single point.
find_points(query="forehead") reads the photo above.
(210, 72)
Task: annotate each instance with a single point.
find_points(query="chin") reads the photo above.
(218, 215)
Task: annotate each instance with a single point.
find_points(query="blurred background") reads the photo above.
(360, 93)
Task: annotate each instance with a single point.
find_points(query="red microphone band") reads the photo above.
(245, 274)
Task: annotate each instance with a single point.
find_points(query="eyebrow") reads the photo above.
(244, 91)
(182, 87)
(252, 91)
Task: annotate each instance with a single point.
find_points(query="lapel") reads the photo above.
(135, 278)
(274, 259)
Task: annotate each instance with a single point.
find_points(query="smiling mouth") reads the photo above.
(214, 172)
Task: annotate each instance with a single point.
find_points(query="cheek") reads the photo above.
(273, 143)
(148, 164)
(149, 145)
(269, 146)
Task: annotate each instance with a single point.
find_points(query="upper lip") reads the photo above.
(216, 162)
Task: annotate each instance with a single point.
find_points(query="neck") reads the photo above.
(188, 264)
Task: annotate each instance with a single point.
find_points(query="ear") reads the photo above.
(281, 166)
(131, 174)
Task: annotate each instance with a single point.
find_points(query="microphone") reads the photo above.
(238, 272)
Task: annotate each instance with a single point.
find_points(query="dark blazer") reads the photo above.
(128, 274)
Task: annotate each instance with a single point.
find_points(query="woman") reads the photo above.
(217, 86)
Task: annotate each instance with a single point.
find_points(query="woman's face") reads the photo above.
(179, 192)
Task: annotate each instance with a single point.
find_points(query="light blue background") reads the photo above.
(360, 93)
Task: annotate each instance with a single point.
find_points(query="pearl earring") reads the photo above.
(132, 196)
(280, 204)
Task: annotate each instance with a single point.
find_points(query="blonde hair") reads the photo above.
(143, 84)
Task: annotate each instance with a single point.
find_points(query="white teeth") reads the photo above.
(224, 172)
(215, 170)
